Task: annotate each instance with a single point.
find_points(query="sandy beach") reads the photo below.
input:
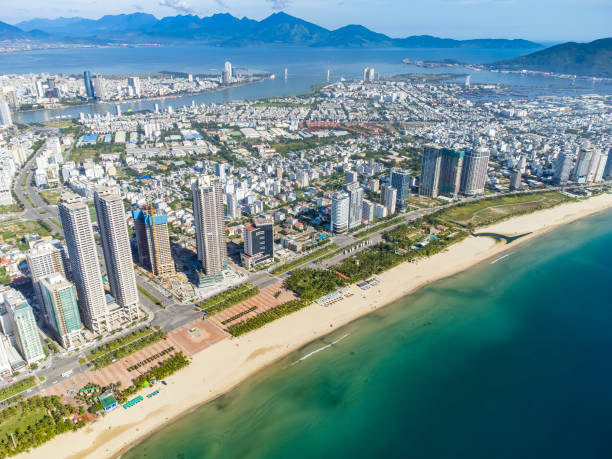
(226, 364)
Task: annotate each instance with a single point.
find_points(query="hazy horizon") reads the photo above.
(547, 21)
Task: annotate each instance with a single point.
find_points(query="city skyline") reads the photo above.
(547, 21)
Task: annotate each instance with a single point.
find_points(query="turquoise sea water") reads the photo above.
(506, 360)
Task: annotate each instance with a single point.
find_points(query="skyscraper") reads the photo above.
(84, 263)
(608, 170)
(451, 167)
(5, 366)
(99, 91)
(400, 180)
(601, 166)
(5, 114)
(350, 176)
(226, 76)
(134, 83)
(474, 174)
(233, 207)
(515, 179)
(430, 171)
(220, 170)
(441, 172)
(43, 259)
(24, 326)
(210, 228)
(60, 301)
(89, 89)
(116, 246)
(355, 193)
(583, 169)
(153, 240)
(390, 199)
(340, 212)
(562, 168)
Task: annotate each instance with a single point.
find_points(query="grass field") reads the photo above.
(489, 211)
(94, 151)
(20, 420)
(300, 261)
(13, 231)
(51, 196)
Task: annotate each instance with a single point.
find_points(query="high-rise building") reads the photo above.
(515, 179)
(340, 209)
(563, 168)
(116, 246)
(583, 169)
(451, 167)
(209, 224)
(390, 199)
(60, 301)
(430, 171)
(5, 114)
(84, 263)
(24, 326)
(369, 74)
(89, 89)
(44, 258)
(351, 176)
(220, 170)
(99, 90)
(134, 83)
(608, 170)
(234, 210)
(601, 166)
(400, 180)
(355, 193)
(5, 365)
(226, 76)
(258, 242)
(474, 173)
(380, 211)
(259, 238)
(153, 241)
(367, 211)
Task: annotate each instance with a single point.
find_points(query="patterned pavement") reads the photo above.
(189, 339)
(264, 300)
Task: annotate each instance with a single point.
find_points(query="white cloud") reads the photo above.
(278, 5)
(181, 6)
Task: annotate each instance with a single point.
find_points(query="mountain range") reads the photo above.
(592, 59)
(223, 29)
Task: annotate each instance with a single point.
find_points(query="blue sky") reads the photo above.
(544, 20)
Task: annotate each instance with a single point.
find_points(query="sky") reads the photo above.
(543, 20)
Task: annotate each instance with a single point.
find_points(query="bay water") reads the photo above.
(305, 67)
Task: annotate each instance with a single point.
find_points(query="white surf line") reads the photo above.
(500, 258)
(320, 349)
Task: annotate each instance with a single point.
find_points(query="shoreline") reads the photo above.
(221, 367)
(148, 99)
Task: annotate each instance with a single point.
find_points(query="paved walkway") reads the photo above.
(264, 300)
(189, 339)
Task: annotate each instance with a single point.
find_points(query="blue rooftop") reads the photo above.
(140, 215)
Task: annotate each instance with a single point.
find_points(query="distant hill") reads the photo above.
(80, 27)
(585, 59)
(227, 30)
(9, 32)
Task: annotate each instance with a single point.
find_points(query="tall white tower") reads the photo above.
(117, 252)
(208, 213)
(86, 275)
